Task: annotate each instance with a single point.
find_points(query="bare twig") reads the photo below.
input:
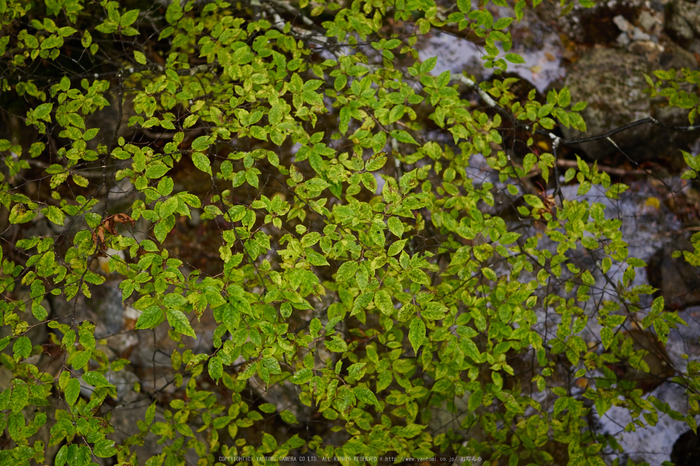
(604, 168)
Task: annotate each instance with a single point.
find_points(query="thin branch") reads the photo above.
(482, 93)
(612, 132)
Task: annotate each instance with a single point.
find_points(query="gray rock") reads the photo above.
(622, 23)
(647, 21)
(596, 25)
(124, 381)
(623, 39)
(106, 304)
(637, 34)
(686, 450)
(104, 308)
(612, 82)
(682, 21)
(677, 281)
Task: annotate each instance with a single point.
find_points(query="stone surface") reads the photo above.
(104, 308)
(594, 25)
(649, 21)
(676, 280)
(612, 82)
(686, 450)
(682, 21)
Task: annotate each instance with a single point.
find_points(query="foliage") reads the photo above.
(356, 260)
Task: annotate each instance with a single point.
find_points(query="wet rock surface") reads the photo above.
(683, 23)
(677, 281)
(612, 82)
(686, 450)
(597, 25)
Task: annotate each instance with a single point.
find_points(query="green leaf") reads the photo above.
(15, 426)
(428, 65)
(396, 247)
(19, 397)
(156, 170)
(240, 304)
(19, 214)
(534, 201)
(52, 42)
(403, 136)
(269, 442)
(434, 311)
(231, 318)
(418, 276)
(105, 448)
(376, 162)
(340, 82)
(589, 243)
(36, 149)
(302, 376)
(258, 133)
(503, 23)
(382, 300)
(565, 97)
(128, 18)
(202, 162)
(396, 113)
(66, 31)
(412, 430)
(80, 181)
(396, 226)
(86, 39)
(288, 417)
(365, 395)
(215, 368)
(43, 111)
(416, 333)
(336, 344)
(346, 271)
(139, 57)
(529, 161)
(179, 322)
(475, 399)
(150, 318)
(168, 207)
(315, 258)
(201, 144)
(606, 337)
(173, 13)
(509, 238)
(96, 379)
(165, 186)
(190, 199)
(163, 227)
(514, 58)
(22, 348)
(72, 391)
(54, 214)
(268, 408)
